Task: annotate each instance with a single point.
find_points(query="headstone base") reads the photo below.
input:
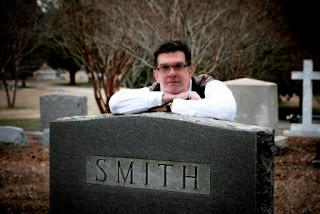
(300, 130)
(281, 145)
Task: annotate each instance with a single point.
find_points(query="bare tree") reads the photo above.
(115, 39)
(21, 36)
(88, 29)
(228, 39)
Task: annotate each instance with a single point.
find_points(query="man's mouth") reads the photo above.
(172, 82)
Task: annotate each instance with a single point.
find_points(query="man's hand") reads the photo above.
(166, 98)
(186, 95)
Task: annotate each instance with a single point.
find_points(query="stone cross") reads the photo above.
(306, 128)
(307, 76)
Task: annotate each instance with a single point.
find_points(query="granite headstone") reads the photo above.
(159, 163)
(58, 105)
(257, 101)
(12, 135)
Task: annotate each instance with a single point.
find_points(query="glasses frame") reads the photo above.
(172, 66)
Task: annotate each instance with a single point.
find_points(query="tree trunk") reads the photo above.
(11, 100)
(16, 74)
(72, 77)
(6, 87)
(23, 82)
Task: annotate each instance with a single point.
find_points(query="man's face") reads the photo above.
(173, 81)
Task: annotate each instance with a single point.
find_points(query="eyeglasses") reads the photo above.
(177, 67)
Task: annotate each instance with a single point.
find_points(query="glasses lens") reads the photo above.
(178, 67)
(164, 68)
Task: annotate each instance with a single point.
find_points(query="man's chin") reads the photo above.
(173, 90)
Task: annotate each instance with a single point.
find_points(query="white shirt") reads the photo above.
(218, 103)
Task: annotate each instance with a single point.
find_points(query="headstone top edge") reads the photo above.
(169, 116)
(60, 94)
(249, 82)
(12, 127)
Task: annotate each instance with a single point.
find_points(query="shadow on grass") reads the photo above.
(80, 85)
(26, 124)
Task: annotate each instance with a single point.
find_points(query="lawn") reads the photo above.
(28, 100)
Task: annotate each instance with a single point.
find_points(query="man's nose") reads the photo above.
(171, 71)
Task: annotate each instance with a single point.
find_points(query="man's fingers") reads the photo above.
(193, 96)
(196, 96)
(189, 95)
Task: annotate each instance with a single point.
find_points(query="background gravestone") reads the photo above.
(58, 105)
(159, 163)
(257, 101)
(45, 73)
(12, 135)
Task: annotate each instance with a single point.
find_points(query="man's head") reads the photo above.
(172, 61)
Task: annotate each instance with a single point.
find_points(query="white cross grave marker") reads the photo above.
(306, 129)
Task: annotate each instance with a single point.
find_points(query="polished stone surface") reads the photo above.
(240, 159)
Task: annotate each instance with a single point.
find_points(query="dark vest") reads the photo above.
(198, 84)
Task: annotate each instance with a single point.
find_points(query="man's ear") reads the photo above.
(155, 75)
(191, 71)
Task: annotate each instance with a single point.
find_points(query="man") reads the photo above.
(176, 89)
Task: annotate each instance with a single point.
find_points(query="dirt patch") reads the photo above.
(24, 179)
(297, 183)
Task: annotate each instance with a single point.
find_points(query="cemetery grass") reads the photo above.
(25, 124)
(27, 105)
(24, 178)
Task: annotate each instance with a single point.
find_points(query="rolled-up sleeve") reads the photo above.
(130, 101)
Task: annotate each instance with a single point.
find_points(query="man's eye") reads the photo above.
(178, 66)
(165, 67)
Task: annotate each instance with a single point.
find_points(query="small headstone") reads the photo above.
(58, 105)
(257, 102)
(45, 73)
(281, 145)
(12, 135)
(307, 128)
(159, 163)
(81, 77)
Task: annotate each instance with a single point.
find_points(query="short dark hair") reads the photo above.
(172, 46)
